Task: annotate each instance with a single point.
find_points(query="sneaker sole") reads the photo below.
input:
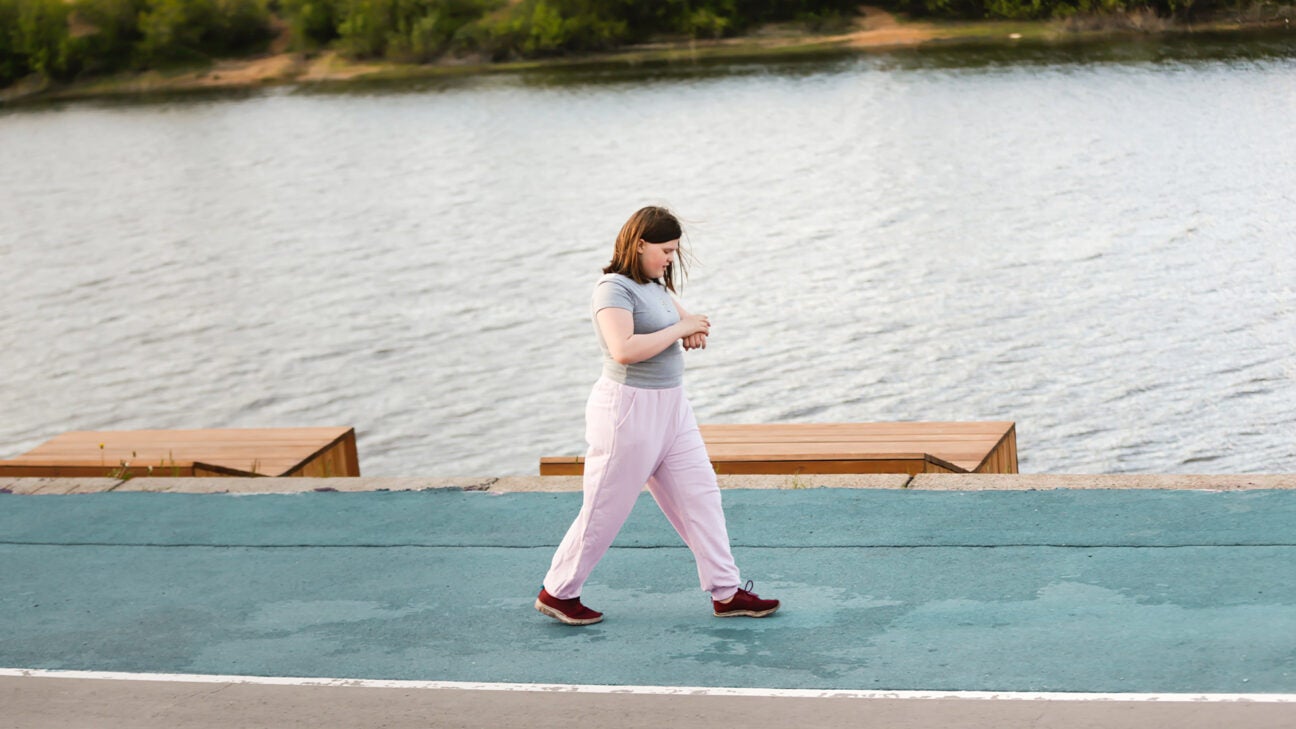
(746, 613)
(564, 618)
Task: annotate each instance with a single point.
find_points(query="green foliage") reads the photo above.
(1019, 9)
(571, 25)
(705, 23)
(775, 10)
(171, 29)
(59, 39)
(311, 23)
(546, 27)
(40, 36)
(104, 33)
(944, 8)
(1090, 8)
(183, 29)
(13, 64)
(1179, 8)
(363, 26)
(401, 30)
(239, 24)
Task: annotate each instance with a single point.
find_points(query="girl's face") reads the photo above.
(655, 257)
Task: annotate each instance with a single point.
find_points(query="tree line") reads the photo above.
(64, 39)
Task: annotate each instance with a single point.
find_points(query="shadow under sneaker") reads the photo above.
(569, 611)
(745, 603)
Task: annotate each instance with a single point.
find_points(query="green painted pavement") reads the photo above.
(1107, 591)
(764, 518)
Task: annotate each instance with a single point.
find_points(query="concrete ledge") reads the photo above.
(514, 484)
(504, 484)
(1041, 481)
(299, 485)
(864, 481)
(58, 485)
(824, 481)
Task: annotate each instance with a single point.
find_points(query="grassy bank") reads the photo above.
(275, 62)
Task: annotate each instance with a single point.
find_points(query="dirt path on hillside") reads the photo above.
(875, 28)
(879, 29)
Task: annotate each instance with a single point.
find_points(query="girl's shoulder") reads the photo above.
(614, 289)
(626, 282)
(618, 280)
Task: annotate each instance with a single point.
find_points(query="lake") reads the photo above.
(1095, 241)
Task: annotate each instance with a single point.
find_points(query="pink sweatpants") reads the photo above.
(639, 435)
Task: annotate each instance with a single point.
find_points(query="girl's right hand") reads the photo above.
(695, 324)
(695, 341)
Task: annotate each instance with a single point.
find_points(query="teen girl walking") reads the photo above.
(641, 428)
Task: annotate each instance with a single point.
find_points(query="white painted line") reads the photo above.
(649, 690)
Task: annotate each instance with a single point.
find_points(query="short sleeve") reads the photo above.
(611, 295)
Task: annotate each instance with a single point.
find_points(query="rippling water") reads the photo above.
(1095, 242)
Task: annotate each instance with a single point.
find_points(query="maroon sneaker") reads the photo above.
(570, 611)
(745, 603)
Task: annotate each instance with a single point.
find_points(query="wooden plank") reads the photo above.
(352, 454)
(560, 460)
(249, 463)
(54, 470)
(205, 437)
(329, 463)
(208, 470)
(21, 470)
(1012, 451)
(757, 431)
(808, 452)
(801, 452)
(915, 465)
(961, 426)
(770, 467)
(964, 444)
(935, 466)
(964, 463)
(1002, 458)
(246, 451)
(982, 441)
(561, 467)
(940, 447)
(975, 451)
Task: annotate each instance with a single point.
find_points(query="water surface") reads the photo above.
(1096, 242)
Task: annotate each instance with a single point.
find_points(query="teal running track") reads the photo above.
(1033, 591)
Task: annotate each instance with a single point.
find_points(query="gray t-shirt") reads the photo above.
(653, 310)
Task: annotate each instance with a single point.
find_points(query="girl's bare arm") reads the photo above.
(626, 347)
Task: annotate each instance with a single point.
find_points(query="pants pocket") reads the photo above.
(624, 408)
(608, 411)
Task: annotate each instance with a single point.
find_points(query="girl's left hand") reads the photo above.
(695, 341)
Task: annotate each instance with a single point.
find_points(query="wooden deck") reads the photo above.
(322, 452)
(810, 448)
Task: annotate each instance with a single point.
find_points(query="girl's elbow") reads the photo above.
(622, 358)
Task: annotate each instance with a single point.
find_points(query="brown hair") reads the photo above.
(653, 225)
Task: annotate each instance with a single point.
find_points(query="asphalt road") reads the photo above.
(1180, 593)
